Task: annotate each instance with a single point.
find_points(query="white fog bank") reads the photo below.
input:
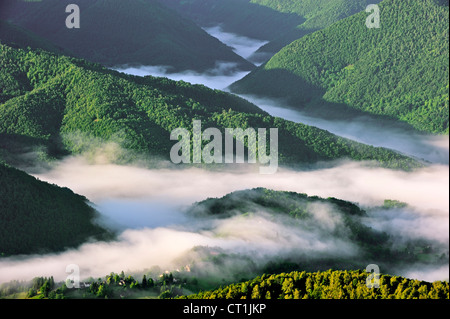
(425, 188)
(219, 77)
(147, 207)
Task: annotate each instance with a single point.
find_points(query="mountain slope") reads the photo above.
(400, 70)
(14, 35)
(68, 103)
(304, 230)
(38, 217)
(114, 32)
(318, 14)
(327, 285)
(279, 21)
(325, 218)
(237, 16)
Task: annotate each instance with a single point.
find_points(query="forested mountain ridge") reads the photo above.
(318, 14)
(340, 219)
(286, 203)
(116, 32)
(278, 21)
(53, 104)
(57, 100)
(242, 17)
(37, 217)
(18, 37)
(329, 284)
(278, 276)
(400, 70)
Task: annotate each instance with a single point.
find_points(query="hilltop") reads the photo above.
(278, 21)
(38, 217)
(399, 71)
(327, 285)
(115, 32)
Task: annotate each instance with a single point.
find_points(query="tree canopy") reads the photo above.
(38, 217)
(399, 70)
(67, 104)
(329, 284)
(115, 32)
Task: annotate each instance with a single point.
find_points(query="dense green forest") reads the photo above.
(337, 284)
(399, 70)
(287, 203)
(195, 270)
(37, 217)
(115, 32)
(59, 96)
(328, 285)
(238, 16)
(317, 14)
(299, 210)
(22, 38)
(279, 21)
(67, 104)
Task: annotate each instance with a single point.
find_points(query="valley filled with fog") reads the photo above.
(362, 129)
(147, 206)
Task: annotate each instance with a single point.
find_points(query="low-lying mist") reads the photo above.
(242, 45)
(425, 188)
(366, 130)
(220, 77)
(147, 207)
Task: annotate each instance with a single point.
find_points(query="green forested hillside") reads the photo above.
(16, 36)
(318, 14)
(328, 285)
(286, 203)
(114, 32)
(37, 217)
(238, 16)
(207, 267)
(400, 70)
(279, 21)
(58, 100)
(306, 213)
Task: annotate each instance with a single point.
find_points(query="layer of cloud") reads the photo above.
(219, 78)
(257, 236)
(425, 188)
(366, 130)
(148, 204)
